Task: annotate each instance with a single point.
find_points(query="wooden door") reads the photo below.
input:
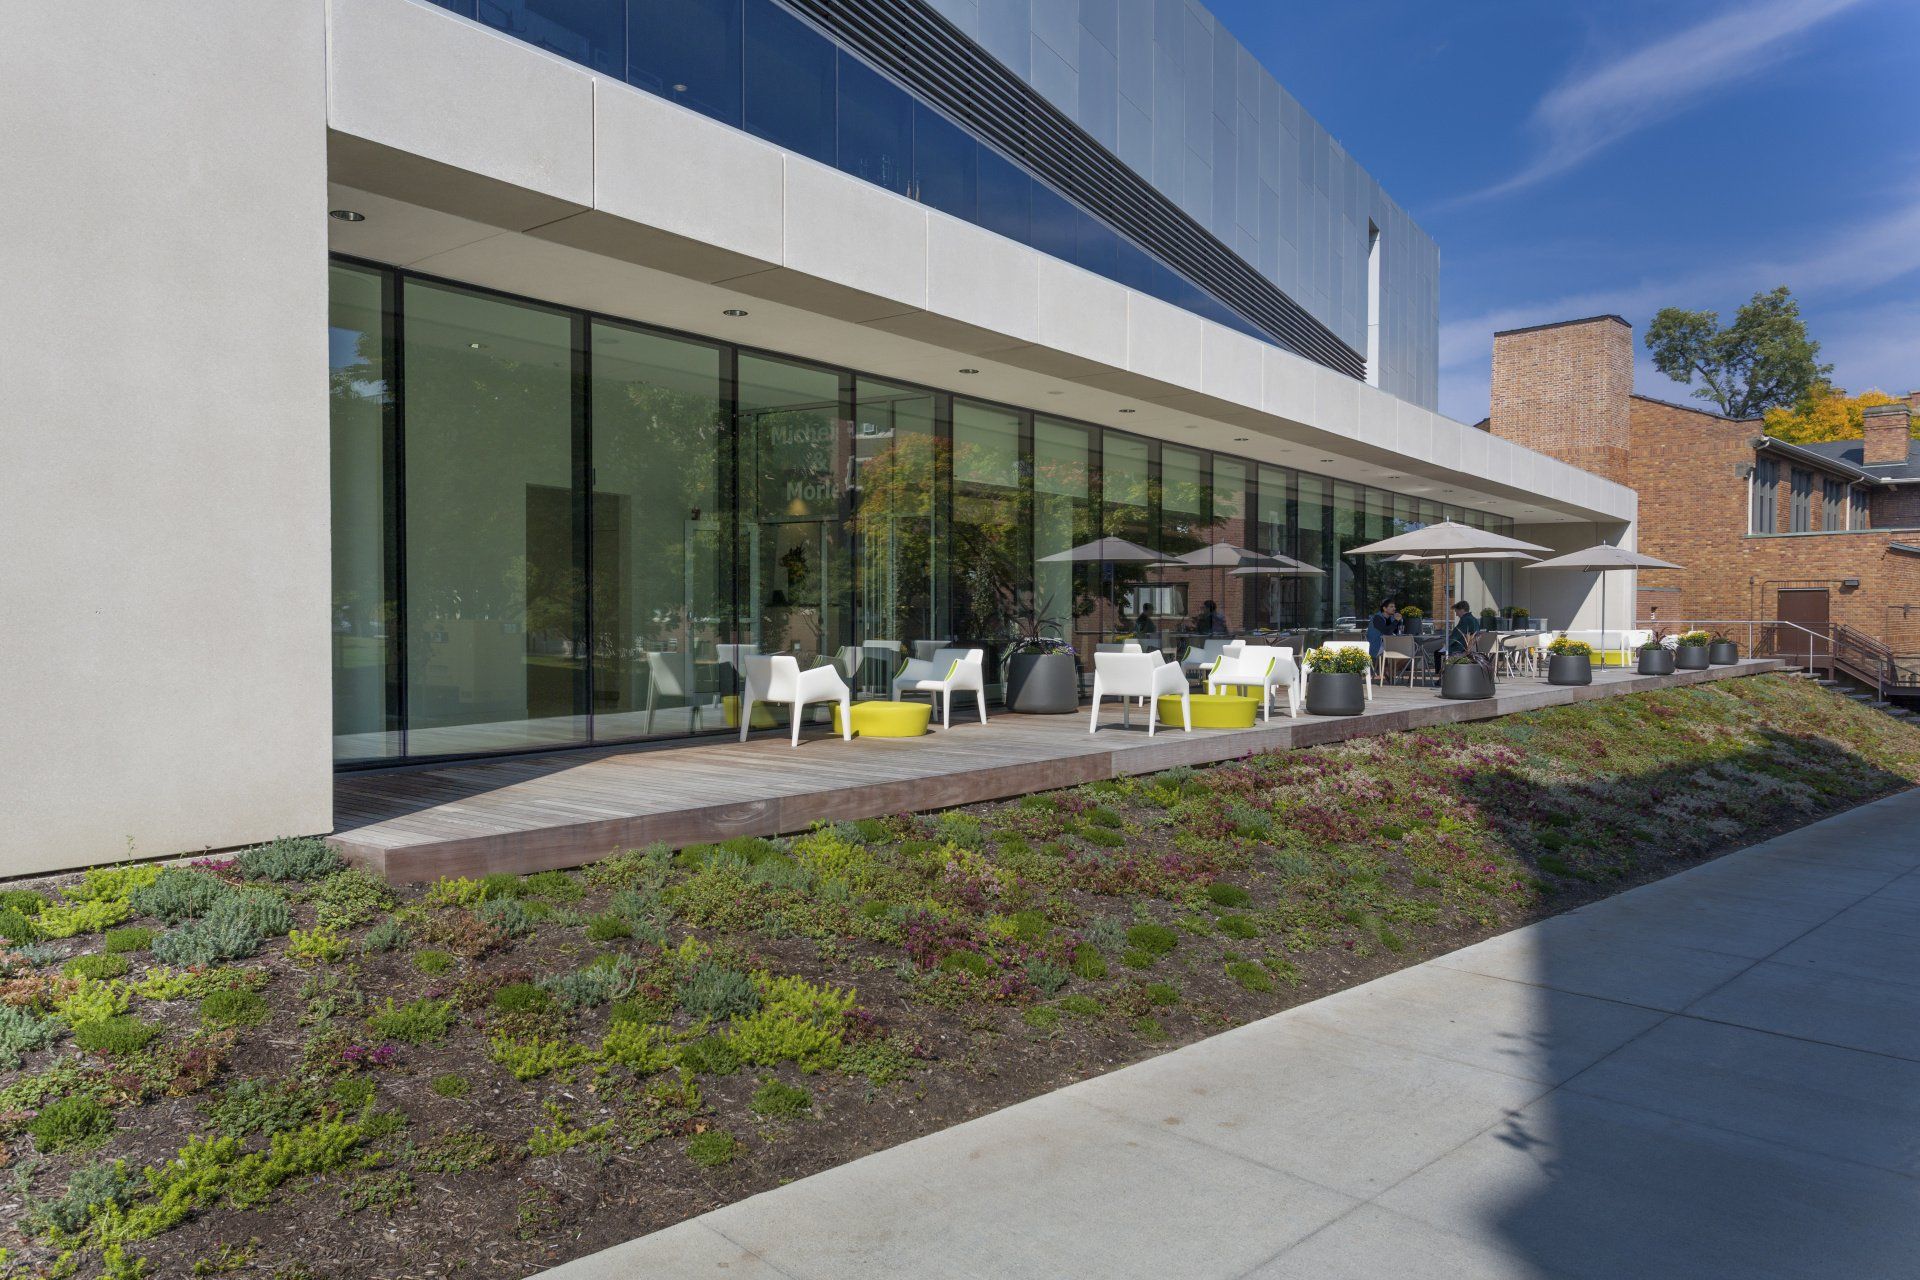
(1806, 606)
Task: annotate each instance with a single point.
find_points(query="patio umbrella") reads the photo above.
(1603, 559)
(1445, 542)
(1102, 550)
(1224, 555)
(1275, 565)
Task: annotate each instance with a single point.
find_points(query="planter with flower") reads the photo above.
(1569, 662)
(1721, 650)
(1337, 681)
(1656, 654)
(1690, 654)
(1042, 671)
(1467, 676)
(1415, 617)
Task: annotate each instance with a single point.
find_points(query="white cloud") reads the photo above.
(1870, 344)
(1591, 110)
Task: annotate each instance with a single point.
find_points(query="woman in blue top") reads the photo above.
(1386, 621)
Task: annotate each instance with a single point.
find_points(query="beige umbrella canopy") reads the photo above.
(1446, 542)
(1604, 558)
(1117, 550)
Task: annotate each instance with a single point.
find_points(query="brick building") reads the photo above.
(1822, 534)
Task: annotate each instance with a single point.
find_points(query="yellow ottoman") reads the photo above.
(762, 713)
(887, 719)
(1211, 710)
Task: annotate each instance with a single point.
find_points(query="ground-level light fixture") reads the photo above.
(733, 311)
(477, 346)
(346, 215)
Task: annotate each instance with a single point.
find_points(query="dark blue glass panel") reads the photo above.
(1055, 230)
(876, 126)
(687, 51)
(944, 160)
(1097, 245)
(1006, 196)
(789, 82)
(592, 33)
(462, 7)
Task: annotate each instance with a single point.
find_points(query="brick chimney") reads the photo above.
(1887, 434)
(1563, 389)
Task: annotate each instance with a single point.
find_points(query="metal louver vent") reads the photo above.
(936, 60)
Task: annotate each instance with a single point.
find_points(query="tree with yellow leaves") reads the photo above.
(1827, 413)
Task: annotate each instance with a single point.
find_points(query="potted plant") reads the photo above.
(1415, 617)
(1467, 676)
(1490, 619)
(1656, 654)
(1519, 615)
(1042, 672)
(1569, 662)
(1337, 681)
(1690, 652)
(1721, 650)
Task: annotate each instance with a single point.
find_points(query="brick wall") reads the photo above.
(1895, 508)
(1566, 390)
(1562, 389)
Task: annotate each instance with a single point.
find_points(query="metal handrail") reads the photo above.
(1818, 643)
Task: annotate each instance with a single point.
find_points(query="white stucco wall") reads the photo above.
(163, 429)
(1571, 600)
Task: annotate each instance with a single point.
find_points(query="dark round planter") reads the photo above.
(1690, 657)
(1656, 662)
(1569, 668)
(1329, 694)
(1043, 684)
(1723, 653)
(1465, 680)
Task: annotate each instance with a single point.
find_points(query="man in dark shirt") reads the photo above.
(1385, 622)
(1460, 638)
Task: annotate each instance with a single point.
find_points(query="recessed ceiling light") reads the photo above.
(346, 215)
(1326, 459)
(969, 371)
(1126, 411)
(1240, 439)
(733, 311)
(1056, 393)
(1193, 426)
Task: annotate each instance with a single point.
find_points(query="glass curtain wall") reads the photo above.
(795, 449)
(899, 534)
(366, 676)
(661, 599)
(495, 535)
(1063, 518)
(551, 528)
(991, 554)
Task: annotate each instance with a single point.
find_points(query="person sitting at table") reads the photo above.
(1386, 621)
(1145, 629)
(1211, 621)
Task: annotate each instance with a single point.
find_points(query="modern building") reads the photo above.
(398, 381)
(1823, 537)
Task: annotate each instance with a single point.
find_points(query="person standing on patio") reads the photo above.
(1386, 621)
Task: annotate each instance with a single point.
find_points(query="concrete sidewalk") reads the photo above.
(1715, 1075)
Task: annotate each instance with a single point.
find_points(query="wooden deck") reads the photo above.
(530, 813)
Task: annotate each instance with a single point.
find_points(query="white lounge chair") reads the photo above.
(965, 674)
(1262, 667)
(670, 675)
(1138, 675)
(1207, 652)
(778, 678)
(932, 667)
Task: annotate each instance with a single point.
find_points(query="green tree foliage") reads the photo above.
(1763, 360)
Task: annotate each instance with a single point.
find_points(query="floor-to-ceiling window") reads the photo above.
(1179, 594)
(991, 560)
(1126, 489)
(795, 446)
(659, 532)
(900, 540)
(366, 698)
(1230, 524)
(1318, 546)
(1062, 519)
(494, 531)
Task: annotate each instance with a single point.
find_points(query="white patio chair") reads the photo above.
(778, 678)
(1361, 645)
(670, 675)
(932, 667)
(1262, 667)
(1398, 651)
(1208, 652)
(1138, 675)
(965, 674)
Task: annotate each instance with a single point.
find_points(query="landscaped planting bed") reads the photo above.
(274, 1066)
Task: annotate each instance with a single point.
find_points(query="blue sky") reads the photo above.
(1620, 156)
